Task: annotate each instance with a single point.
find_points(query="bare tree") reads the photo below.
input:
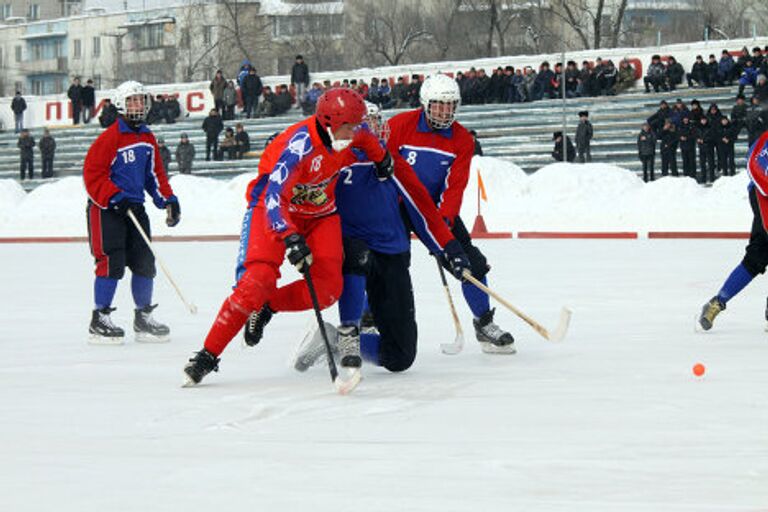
(498, 17)
(591, 20)
(390, 30)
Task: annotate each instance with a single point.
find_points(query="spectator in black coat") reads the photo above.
(47, 152)
(739, 113)
(88, 95)
(726, 141)
(542, 86)
(668, 149)
(756, 120)
(172, 109)
(557, 153)
(282, 102)
(267, 104)
(251, 90)
(657, 120)
(212, 126)
(108, 113)
(584, 134)
(478, 148)
(75, 95)
(18, 106)
(242, 139)
(26, 144)
(707, 139)
(300, 77)
(646, 150)
(412, 91)
(687, 134)
(698, 73)
(400, 92)
(185, 155)
(675, 73)
(712, 71)
(165, 153)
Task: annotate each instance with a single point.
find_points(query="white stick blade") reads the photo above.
(347, 385)
(454, 348)
(562, 327)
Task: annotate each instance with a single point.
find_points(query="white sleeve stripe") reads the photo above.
(416, 209)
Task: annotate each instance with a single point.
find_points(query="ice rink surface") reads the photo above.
(610, 420)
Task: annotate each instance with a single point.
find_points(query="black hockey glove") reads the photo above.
(121, 207)
(173, 210)
(298, 252)
(385, 169)
(457, 259)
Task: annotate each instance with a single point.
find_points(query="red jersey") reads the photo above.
(123, 163)
(441, 158)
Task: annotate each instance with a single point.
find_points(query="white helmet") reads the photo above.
(126, 90)
(376, 121)
(441, 89)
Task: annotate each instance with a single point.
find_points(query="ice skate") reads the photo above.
(348, 338)
(147, 329)
(709, 311)
(493, 339)
(102, 331)
(254, 327)
(199, 366)
(311, 350)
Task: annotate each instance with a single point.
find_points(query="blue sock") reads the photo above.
(369, 347)
(739, 278)
(477, 299)
(142, 290)
(352, 299)
(104, 289)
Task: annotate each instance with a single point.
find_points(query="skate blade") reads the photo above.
(490, 348)
(348, 384)
(188, 382)
(698, 328)
(96, 339)
(143, 337)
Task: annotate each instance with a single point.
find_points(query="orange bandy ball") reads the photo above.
(698, 369)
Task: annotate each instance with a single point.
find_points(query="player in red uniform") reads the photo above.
(292, 213)
(440, 150)
(120, 166)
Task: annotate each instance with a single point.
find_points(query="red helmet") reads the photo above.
(339, 106)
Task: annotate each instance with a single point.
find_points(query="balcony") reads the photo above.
(57, 66)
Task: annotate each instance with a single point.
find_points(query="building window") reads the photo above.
(77, 49)
(97, 46)
(6, 11)
(34, 12)
(18, 53)
(207, 34)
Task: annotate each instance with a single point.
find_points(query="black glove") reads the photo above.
(298, 253)
(173, 209)
(384, 168)
(121, 207)
(457, 259)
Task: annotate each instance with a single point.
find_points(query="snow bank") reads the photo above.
(559, 197)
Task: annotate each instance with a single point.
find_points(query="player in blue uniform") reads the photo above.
(756, 255)
(377, 261)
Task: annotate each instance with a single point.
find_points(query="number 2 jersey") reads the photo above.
(123, 163)
(441, 158)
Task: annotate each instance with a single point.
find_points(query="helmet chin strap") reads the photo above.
(338, 145)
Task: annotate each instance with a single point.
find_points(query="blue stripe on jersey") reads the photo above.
(257, 190)
(242, 252)
(432, 166)
(369, 209)
(298, 147)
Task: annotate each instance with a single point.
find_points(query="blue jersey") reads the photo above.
(370, 209)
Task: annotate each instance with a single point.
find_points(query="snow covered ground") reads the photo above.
(558, 197)
(610, 420)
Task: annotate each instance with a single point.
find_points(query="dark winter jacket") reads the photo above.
(657, 120)
(165, 156)
(655, 70)
(47, 146)
(300, 73)
(282, 102)
(185, 154)
(698, 71)
(252, 86)
(75, 94)
(108, 115)
(584, 133)
(18, 105)
(646, 143)
(217, 88)
(213, 126)
(687, 135)
(668, 140)
(725, 66)
(25, 144)
(557, 153)
(706, 135)
(88, 96)
(714, 117)
(243, 141)
(675, 73)
(172, 109)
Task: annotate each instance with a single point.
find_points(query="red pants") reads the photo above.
(258, 284)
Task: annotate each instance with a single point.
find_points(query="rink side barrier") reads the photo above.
(492, 235)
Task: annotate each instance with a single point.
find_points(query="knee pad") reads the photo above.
(357, 257)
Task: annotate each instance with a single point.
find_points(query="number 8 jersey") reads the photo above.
(441, 158)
